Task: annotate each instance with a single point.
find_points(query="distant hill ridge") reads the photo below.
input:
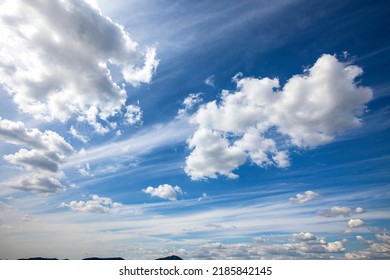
(173, 257)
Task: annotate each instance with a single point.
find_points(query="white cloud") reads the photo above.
(164, 191)
(85, 171)
(6, 227)
(303, 236)
(211, 149)
(4, 205)
(353, 223)
(133, 114)
(258, 239)
(43, 156)
(359, 210)
(361, 239)
(336, 211)
(38, 183)
(383, 237)
(335, 247)
(315, 248)
(189, 103)
(16, 133)
(95, 205)
(77, 135)
(33, 159)
(59, 69)
(210, 81)
(204, 196)
(374, 251)
(259, 117)
(143, 142)
(302, 198)
(27, 218)
(281, 159)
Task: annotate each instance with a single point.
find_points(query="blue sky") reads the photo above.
(206, 129)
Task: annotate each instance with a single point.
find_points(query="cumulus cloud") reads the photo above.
(359, 210)
(303, 236)
(258, 239)
(133, 114)
(38, 183)
(164, 191)
(353, 223)
(46, 149)
(42, 154)
(213, 151)
(311, 248)
(302, 198)
(56, 69)
(383, 237)
(361, 239)
(260, 118)
(336, 211)
(16, 133)
(375, 250)
(189, 103)
(95, 205)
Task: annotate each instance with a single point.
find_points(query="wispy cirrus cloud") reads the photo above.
(143, 142)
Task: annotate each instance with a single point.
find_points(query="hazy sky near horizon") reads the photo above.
(205, 129)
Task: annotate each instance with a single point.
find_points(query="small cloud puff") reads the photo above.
(164, 191)
(210, 81)
(353, 223)
(305, 197)
(96, 205)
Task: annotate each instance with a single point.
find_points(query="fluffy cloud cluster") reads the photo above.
(133, 114)
(164, 191)
(56, 56)
(302, 198)
(379, 249)
(95, 205)
(41, 153)
(303, 246)
(303, 236)
(260, 118)
(340, 211)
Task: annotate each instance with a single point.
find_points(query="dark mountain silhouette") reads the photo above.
(103, 259)
(39, 259)
(173, 257)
